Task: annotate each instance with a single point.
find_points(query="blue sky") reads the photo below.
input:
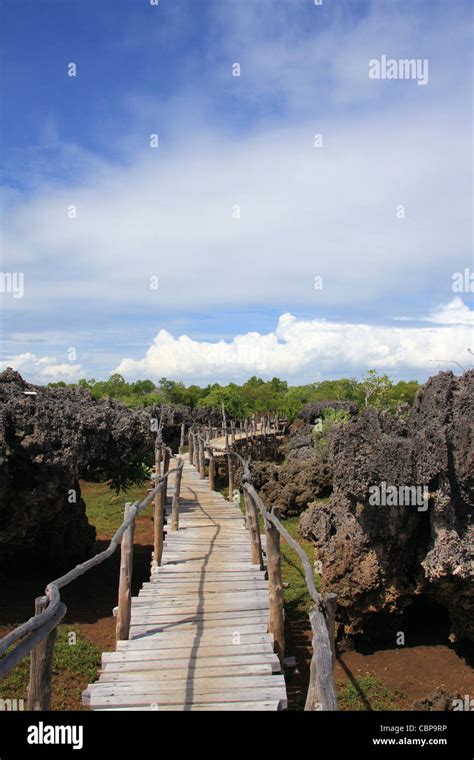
(240, 290)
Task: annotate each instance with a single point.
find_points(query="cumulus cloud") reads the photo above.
(302, 348)
(44, 369)
(456, 312)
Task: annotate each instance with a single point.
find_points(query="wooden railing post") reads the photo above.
(166, 467)
(212, 470)
(321, 694)
(230, 468)
(230, 463)
(175, 505)
(254, 531)
(181, 439)
(158, 526)
(191, 447)
(158, 458)
(196, 451)
(41, 662)
(124, 610)
(330, 603)
(202, 461)
(276, 615)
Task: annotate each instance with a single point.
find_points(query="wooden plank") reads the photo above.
(152, 652)
(156, 701)
(264, 706)
(148, 662)
(179, 675)
(167, 640)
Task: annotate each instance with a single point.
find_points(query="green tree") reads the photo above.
(376, 389)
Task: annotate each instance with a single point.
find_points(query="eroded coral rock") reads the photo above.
(378, 558)
(49, 438)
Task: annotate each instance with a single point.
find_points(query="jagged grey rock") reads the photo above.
(379, 558)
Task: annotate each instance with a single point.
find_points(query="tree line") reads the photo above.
(256, 395)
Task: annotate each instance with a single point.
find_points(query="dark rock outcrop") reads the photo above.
(49, 438)
(306, 473)
(379, 558)
(292, 485)
(439, 700)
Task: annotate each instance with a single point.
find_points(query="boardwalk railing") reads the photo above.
(37, 635)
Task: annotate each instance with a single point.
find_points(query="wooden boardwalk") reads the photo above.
(198, 635)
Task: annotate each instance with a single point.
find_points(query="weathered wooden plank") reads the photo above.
(200, 686)
(193, 671)
(264, 706)
(174, 640)
(156, 700)
(147, 662)
(148, 650)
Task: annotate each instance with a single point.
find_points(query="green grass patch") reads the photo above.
(75, 664)
(368, 693)
(104, 509)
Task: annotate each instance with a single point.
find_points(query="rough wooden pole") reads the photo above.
(177, 489)
(321, 694)
(166, 467)
(196, 451)
(276, 615)
(158, 523)
(202, 460)
(230, 469)
(230, 463)
(41, 662)
(330, 603)
(191, 447)
(158, 458)
(124, 610)
(254, 531)
(212, 470)
(181, 439)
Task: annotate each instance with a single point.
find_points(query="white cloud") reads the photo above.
(304, 212)
(44, 369)
(456, 312)
(300, 348)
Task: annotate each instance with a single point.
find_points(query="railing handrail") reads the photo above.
(38, 622)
